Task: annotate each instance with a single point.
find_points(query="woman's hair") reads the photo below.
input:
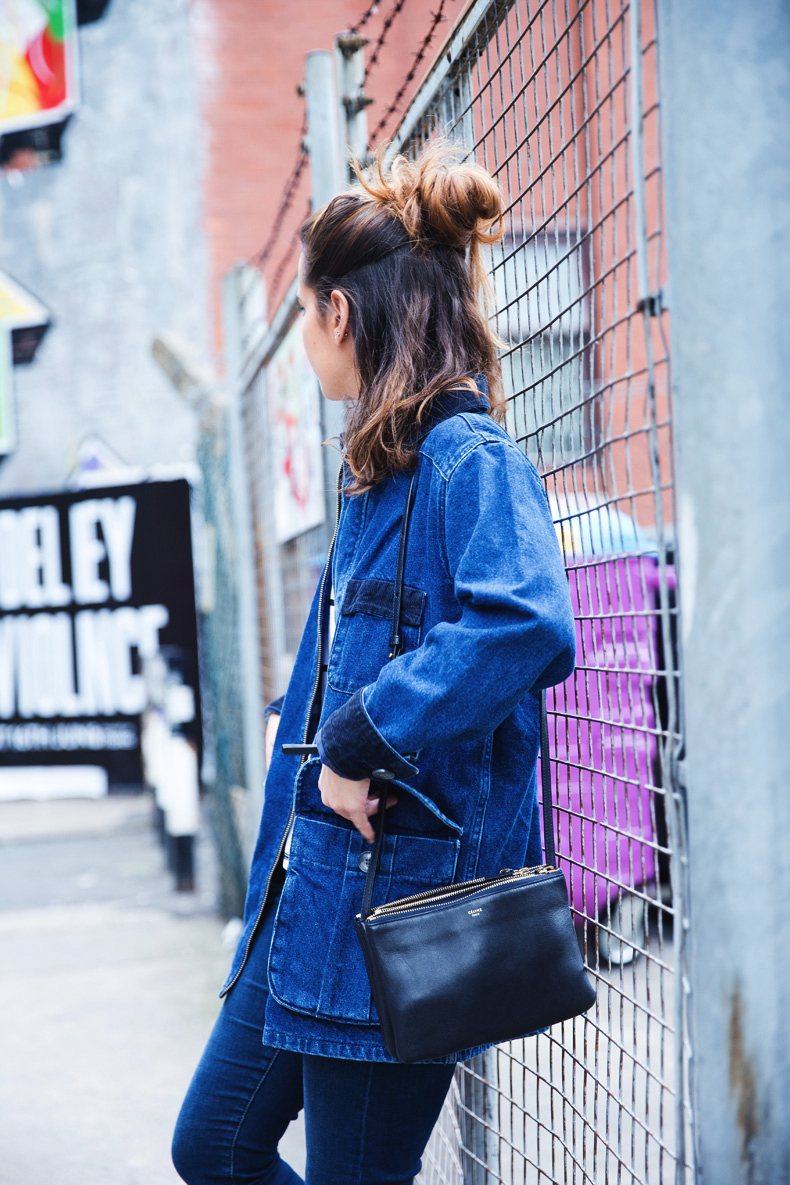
(404, 248)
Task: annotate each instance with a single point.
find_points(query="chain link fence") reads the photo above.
(560, 102)
(559, 99)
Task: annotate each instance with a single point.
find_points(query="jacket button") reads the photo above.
(363, 863)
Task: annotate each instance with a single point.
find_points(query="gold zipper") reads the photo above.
(448, 892)
(316, 685)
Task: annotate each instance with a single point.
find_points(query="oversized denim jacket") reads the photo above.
(487, 624)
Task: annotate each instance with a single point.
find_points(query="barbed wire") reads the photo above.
(287, 257)
(286, 199)
(291, 186)
(289, 190)
(436, 19)
(367, 15)
(389, 20)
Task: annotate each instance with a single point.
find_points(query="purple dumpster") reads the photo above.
(603, 730)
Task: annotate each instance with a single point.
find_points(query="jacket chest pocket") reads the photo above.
(360, 646)
(316, 964)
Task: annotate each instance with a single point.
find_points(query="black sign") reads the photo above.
(91, 583)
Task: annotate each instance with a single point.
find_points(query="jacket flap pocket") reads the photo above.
(316, 964)
(308, 802)
(374, 597)
(428, 804)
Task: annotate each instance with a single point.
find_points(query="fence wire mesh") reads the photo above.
(559, 99)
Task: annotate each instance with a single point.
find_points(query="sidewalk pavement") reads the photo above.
(108, 991)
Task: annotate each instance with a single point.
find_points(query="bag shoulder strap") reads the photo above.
(396, 641)
(383, 776)
(549, 842)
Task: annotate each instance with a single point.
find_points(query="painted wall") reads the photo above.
(111, 240)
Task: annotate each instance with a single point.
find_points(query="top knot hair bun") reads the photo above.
(402, 254)
(439, 198)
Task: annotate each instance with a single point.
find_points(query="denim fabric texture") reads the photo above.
(364, 1121)
(487, 625)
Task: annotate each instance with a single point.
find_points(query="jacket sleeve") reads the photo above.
(514, 632)
(274, 708)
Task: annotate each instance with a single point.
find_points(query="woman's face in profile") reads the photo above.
(327, 343)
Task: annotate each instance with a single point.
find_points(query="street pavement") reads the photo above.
(108, 991)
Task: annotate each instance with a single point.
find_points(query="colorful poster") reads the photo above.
(295, 436)
(38, 63)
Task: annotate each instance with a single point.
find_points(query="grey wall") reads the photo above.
(725, 84)
(111, 241)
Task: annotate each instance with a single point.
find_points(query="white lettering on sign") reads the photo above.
(26, 738)
(30, 568)
(48, 668)
(115, 516)
(117, 519)
(7, 667)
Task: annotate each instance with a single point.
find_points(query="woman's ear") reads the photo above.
(339, 313)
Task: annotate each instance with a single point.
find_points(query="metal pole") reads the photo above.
(249, 642)
(725, 84)
(327, 178)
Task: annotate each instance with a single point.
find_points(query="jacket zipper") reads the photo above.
(448, 892)
(316, 685)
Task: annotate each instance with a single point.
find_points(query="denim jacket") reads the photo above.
(487, 623)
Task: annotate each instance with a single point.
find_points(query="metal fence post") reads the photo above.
(249, 642)
(327, 178)
(725, 75)
(350, 65)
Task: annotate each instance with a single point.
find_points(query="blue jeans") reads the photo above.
(366, 1122)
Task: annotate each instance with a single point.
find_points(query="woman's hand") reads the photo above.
(351, 800)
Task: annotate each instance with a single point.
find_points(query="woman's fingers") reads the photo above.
(373, 803)
(362, 823)
(347, 798)
(351, 800)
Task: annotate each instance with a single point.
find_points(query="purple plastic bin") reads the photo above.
(602, 726)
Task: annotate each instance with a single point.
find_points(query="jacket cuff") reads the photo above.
(274, 708)
(324, 757)
(350, 744)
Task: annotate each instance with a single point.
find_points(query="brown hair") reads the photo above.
(404, 248)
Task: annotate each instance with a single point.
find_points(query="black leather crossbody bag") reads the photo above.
(474, 963)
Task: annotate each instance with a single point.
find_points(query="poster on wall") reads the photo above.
(92, 585)
(23, 323)
(295, 434)
(38, 63)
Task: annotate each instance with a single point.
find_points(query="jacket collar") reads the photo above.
(452, 403)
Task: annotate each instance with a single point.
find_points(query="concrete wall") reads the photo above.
(111, 240)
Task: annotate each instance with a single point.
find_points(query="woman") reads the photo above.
(389, 280)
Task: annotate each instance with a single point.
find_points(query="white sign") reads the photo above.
(295, 439)
(61, 664)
